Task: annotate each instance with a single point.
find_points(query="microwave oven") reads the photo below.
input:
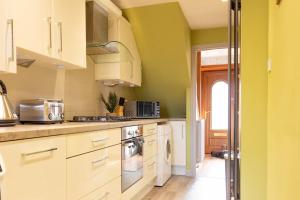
(142, 109)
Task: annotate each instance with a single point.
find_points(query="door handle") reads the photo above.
(38, 152)
(49, 20)
(104, 196)
(10, 22)
(60, 49)
(100, 140)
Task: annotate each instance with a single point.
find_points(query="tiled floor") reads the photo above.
(208, 185)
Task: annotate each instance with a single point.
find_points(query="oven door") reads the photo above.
(132, 161)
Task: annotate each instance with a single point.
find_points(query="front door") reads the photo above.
(214, 100)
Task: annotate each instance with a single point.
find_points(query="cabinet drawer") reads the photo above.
(150, 147)
(90, 141)
(88, 172)
(149, 129)
(150, 170)
(36, 169)
(110, 191)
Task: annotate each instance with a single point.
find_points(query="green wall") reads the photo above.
(284, 102)
(163, 39)
(209, 36)
(254, 56)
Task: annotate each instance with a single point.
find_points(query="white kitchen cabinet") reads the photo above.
(123, 66)
(35, 169)
(69, 31)
(88, 172)
(178, 147)
(7, 43)
(33, 25)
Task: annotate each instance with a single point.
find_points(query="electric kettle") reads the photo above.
(7, 115)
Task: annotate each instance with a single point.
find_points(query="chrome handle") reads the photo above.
(131, 73)
(104, 196)
(10, 22)
(59, 24)
(38, 152)
(152, 164)
(100, 140)
(100, 160)
(182, 136)
(49, 20)
(151, 141)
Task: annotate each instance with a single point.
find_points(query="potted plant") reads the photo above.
(111, 103)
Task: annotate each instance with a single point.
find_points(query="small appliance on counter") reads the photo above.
(7, 115)
(42, 111)
(142, 109)
(100, 119)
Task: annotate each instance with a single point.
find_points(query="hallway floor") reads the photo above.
(208, 185)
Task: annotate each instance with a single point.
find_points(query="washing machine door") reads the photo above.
(168, 151)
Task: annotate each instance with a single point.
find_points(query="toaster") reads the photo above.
(44, 111)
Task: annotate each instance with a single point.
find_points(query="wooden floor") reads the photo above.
(208, 185)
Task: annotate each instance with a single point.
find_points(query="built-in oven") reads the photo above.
(132, 156)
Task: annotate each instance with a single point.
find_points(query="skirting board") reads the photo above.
(178, 170)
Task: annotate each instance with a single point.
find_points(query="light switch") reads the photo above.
(269, 65)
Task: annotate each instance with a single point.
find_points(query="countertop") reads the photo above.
(21, 132)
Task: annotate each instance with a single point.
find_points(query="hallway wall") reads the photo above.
(284, 102)
(254, 56)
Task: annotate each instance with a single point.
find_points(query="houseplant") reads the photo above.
(110, 103)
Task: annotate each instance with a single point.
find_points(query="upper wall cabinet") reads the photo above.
(123, 64)
(33, 26)
(69, 31)
(7, 44)
(50, 32)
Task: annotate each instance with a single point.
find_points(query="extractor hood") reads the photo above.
(97, 26)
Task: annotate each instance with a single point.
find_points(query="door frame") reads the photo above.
(194, 113)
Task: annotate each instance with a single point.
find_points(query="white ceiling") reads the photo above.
(200, 14)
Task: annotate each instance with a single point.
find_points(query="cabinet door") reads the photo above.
(178, 143)
(33, 25)
(35, 169)
(7, 43)
(126, 36)
(69, 31)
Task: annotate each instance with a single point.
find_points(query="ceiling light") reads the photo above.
(224, 0)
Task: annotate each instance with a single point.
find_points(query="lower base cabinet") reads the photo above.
(89, 172)
(110, 191)
(35, 169)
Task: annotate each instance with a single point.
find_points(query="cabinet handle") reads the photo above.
(152, 164)
(182, 132)
(49, 20)
(38, 152)
(104, 196)
(10, 22)
(151, 141)
(100, 140)
(100, 160)
(59, 24)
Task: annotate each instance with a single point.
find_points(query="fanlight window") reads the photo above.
(219, 106)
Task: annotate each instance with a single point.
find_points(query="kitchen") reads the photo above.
(149, 55)
(52, 91)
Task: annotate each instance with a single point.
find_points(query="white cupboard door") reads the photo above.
(69, 31)
(35, 169)
(7, 40)
(178, 143)
(33, 25)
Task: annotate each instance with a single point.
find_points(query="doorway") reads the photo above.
(214, 101)
(212, 95)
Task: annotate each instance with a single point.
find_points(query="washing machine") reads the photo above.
(164, 165)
